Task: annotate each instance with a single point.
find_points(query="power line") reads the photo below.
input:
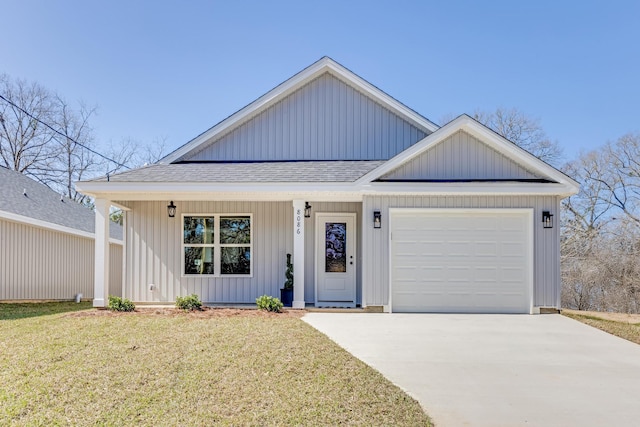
(60, 133)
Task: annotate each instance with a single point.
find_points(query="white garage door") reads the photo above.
(461, 260)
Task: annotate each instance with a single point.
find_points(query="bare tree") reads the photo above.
(623, 179)
(25, 143)
(522, 130)
(75, 161)
(600, 243)
(43, 136)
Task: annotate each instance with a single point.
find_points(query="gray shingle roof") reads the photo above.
(297, 171)
(44, 204)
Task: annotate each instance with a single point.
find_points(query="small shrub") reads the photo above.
(265, 302)
(190, 302)
(120, 304)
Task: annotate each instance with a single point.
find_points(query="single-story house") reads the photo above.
(47, 244)
(378, 206)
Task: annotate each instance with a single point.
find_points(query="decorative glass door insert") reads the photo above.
(335, 247)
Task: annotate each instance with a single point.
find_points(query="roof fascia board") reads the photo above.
(483, 133)
(469, 188)
(97, 188)
(275, 196)
(289, 86)
(10, 216)
(318, 191)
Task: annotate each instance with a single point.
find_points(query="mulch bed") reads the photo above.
(205, 313)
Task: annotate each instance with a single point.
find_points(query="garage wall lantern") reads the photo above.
(547, 219)
(171, 209)
(377, 219)
(307, 210)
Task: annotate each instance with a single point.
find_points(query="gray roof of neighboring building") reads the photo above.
(295, 171)
(44, 204)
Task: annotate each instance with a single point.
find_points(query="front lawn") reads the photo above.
(623, 326)
(163, 367)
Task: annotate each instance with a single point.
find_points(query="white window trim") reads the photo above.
(216, 245)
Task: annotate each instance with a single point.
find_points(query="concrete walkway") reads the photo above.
(498, 370)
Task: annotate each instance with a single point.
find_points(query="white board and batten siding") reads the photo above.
(461, 156)
(154, 252)
(326, 119)
(42, 264)
(376, 246)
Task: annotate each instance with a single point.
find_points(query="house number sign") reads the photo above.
(298, 221)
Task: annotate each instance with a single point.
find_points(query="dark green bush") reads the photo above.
(120, 304)
(265, 302)
(190, 302)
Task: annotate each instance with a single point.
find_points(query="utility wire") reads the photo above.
(60, 133)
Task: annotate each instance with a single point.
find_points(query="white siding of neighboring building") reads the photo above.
(461, 156)
(324, 120)
(375, 242)
(42, 264)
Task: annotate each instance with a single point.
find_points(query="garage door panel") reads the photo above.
(487, 274)
(486, 250)
(462, 262)
(513, 249)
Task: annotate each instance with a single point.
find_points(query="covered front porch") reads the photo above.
(159, 261)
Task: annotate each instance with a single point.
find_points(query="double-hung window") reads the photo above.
(217, 245)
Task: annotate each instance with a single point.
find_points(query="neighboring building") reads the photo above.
(403, 214)
(47, 243)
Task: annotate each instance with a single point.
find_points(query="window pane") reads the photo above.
(235, 260)
(335, 246)
(198, 260)
(198, 229)
(235, 230)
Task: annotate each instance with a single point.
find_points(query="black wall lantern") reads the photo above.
(307, 210)
(377, 219)
(547, 219)
(171, 209)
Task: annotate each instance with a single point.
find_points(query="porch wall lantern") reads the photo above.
(307, 210)
(547, 219)
(377, 219)
(171, 209)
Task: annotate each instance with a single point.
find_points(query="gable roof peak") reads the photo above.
(324, 64)
(487, 136)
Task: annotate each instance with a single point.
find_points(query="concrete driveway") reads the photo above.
(498, 370)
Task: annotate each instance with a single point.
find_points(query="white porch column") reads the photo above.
(298, 254)
(101, 268)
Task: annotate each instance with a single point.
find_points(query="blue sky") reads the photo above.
(174, 68)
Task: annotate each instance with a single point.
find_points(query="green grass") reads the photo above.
(628, 331)
(22, 310)
(184, 369)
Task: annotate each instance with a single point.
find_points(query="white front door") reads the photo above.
(335, 260)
